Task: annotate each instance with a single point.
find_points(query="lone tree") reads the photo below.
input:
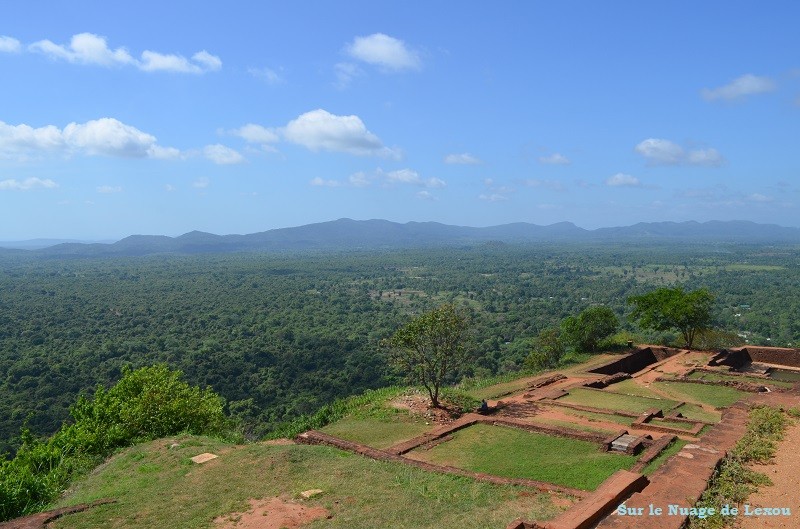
(585, 330)
(429, 347)
(673, 308)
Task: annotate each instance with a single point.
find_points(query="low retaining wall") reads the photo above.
(740, 356)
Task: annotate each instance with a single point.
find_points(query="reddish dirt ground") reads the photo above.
(272, 513)
(785, 490)
(420, 405)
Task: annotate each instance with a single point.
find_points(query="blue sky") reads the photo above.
(162, 118)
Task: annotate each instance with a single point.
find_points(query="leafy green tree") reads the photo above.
(585, 330)
(548, 348)
(430, 347)
(673, 308)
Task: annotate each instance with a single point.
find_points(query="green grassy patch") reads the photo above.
(377, 432)
(630, 387)
(615, 401)
(673, 448)
(715, 377)
(567, 424)
(698, 413)
(519, 454)
(592, 416)
(717, 396)
(360, 493)
(753, 268)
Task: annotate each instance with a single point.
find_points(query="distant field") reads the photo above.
(516, 453)
(753, 268)
(160, 488)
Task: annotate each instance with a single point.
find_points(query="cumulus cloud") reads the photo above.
(88, 48)
(222, 155)
(462, 159)
(739, 88)
(104, 136)
(320, 130)
(109, 189)
(425, 195)
(13, 184)
(9, 44)
(201, 183)
(622, 180)
(252, 133)
(664, 152)
(554, 159)
(386, 52)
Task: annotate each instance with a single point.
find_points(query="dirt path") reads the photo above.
(785, 490)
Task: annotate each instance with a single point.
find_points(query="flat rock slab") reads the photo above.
(203, 458)
(311, 493)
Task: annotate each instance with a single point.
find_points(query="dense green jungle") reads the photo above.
(279, 335)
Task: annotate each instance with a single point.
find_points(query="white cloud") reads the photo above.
(320, 130)
(110, 137)
(345, 72)
(208, 62)
(493, 197)
(391, 178)
(359, 179)
(201, 183)
(252, 133)
(552, 185)
(169, 188)
(319, 182)
(9, 45)
(384, 51)
(664, 152)
(85, 48)
(739, 88)
(710, 157)
(88, 48)
(222, 155)
(425, 195)
(104, 136)
(267, 75)
(408, 176)
(623, 180)
(462, 159)
(758, 197)
(109, 189)
(25, 185)
(554, 159)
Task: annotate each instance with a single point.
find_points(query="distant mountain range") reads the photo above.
(376, 234)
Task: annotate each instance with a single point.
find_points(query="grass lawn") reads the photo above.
(673, 448)
(615, 401)
(624, 421)
(504, 388)
(717, 396)
(693, 411)
(705, 375)
(566, 424)
(629, 387)
(519, 454)
(158, 487)
(378, 432)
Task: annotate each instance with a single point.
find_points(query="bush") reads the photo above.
(145, 404)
